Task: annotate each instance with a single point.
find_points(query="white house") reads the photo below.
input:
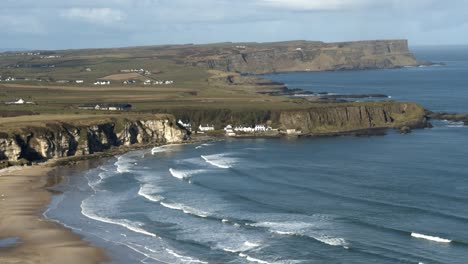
(244, 129)
(260, 128)
(229, 131)
(17, 102)
(102, 83)
(147, 82)
(206, 128)
(79, 81)
(184, 125)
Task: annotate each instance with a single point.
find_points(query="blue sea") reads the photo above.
(384, 199)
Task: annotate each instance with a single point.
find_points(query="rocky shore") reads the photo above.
(454, 117)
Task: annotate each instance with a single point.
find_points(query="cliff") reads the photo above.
(315, 119)
(354, 117)
(59, 140)
(255, 58)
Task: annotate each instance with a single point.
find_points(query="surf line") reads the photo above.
(431, 238)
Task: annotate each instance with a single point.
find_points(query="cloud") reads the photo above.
(319, 5)
(15, 24)
(103, 16)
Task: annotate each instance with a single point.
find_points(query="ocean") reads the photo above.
(383, 199)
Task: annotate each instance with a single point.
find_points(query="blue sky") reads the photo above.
(60, 24)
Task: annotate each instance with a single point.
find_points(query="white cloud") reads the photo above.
(318, 5)
(104, 16)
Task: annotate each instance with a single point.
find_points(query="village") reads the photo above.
(239, 131)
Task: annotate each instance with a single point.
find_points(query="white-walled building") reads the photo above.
(102, 83)
(184, 125)
(18, 101)
(206, 128)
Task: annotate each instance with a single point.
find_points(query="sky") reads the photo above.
(71, 24)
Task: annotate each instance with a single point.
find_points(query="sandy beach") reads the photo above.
(23, 197)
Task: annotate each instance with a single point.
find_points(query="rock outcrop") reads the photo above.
(259, 58)
(59, 140)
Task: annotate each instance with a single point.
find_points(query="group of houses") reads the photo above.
(8, 79)
(106, 107)
(206, 128)
(102, 82)
(18, 102)
(149, 82)
(229, 129)
(258, 128)
(139, 71)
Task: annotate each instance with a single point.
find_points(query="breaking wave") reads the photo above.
(124, 164)
(431, 238)
(185, 209)
(158, 150)
(302, 229)
(184, 174)
(247, 245)
(132, 226)
(143, 191)
(220, 160)
(184, 258)
(251, 259)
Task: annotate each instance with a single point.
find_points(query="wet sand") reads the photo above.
(23, 198)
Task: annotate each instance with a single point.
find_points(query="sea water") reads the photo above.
(387, 199)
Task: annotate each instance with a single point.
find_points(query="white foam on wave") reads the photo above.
(251, 259)
(184, 174)
(431, 238)
(185, 209)
(143, 191)
(123, 222)
(158, 150)
(454, 124)
(247, 245)
(124, 164)
(220, 160)
(184, 258)
(302, 229)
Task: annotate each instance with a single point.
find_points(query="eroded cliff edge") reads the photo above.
(60, 140)
(260, 58)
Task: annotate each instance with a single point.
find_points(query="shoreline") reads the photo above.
(24, 198)
(25, 195)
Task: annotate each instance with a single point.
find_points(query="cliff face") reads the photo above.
(322, 118)
(348, 118)
(313, 56)
(60, 140)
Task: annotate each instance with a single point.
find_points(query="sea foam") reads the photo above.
(251, 259)
(151, 197)
(431, 238)
(302, 229)
(184, 174)
(220, 160)
(185, 209)
(184, 258)
(132, 226)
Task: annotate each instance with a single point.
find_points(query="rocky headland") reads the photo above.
(260, 58)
